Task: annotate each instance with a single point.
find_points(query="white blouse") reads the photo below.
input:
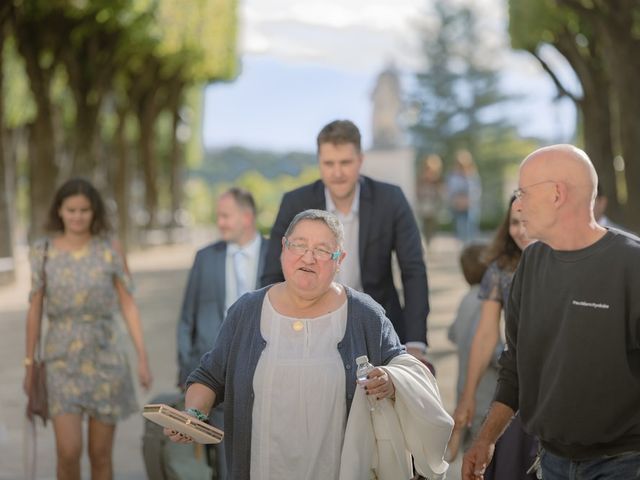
(299, 411)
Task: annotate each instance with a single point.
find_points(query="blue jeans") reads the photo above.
(466, 226)
(625, 466)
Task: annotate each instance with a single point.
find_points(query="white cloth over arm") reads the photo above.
(379, 446)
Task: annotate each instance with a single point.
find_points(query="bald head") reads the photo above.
(555, 198)
(566, 164)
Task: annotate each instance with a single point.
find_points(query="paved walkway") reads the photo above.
(160, 275)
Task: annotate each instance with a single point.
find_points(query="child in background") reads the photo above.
(461, 333)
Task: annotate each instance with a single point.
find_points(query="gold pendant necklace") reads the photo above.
(297, 326)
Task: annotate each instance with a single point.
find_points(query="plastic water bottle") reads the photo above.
(364, 367)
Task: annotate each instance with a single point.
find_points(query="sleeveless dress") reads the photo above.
(87, 367)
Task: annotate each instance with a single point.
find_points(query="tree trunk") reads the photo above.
(43, 171)
(614, 23)
(7, 262)
(598, 133)
(88, 81)
(598, 144)
(85, 155)
(629, 122)
(146, 115)
(595, 109)
(176, 157)
(122, 179)
(621, 49)
(42, 174)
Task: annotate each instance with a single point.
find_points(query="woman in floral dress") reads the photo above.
(85, 279)
(516, 451)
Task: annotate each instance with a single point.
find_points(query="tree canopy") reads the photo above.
(457, 99)
(600, 41)
(91, 86)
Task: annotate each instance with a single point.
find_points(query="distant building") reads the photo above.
(387, 108)
(390, 158)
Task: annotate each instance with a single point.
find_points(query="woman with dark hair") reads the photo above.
(99, 224)
(83, 276)
(516, 451)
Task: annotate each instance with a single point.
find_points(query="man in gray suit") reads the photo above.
(221, 273)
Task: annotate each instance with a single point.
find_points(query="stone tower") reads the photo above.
(387, 107)
(390, 158)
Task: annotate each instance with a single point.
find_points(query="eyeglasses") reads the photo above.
(519, 192)
(317, 252)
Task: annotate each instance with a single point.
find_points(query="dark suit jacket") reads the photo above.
(203, 305)
(386, 225)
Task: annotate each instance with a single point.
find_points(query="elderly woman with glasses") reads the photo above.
(284, 363)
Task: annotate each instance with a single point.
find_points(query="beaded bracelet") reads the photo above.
(194, 412)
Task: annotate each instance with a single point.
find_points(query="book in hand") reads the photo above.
(182, 422)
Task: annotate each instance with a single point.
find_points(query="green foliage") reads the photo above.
(267, 175)
(458, 92)
(268, 192)
(102, 40)
(531, 23)
(199, 38)
(19, 107)
(193, 114)
(230, 163)
(501, 153)
(600, 40)
(199, 201)
(457, 98)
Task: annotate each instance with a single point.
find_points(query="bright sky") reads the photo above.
(307, 62)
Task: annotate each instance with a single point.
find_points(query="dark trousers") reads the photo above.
(515, 452)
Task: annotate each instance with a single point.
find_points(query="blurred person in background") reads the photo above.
(464, 192)
(429, 192)
(221, 273)
(515, 453)
(79, 273)
(461, 333)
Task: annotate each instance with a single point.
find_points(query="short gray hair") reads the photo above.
(328, 218)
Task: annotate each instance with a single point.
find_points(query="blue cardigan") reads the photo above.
(228, 369)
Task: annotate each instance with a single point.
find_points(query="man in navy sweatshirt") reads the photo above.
(572, 362)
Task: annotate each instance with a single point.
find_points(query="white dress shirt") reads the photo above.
(349, 273)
